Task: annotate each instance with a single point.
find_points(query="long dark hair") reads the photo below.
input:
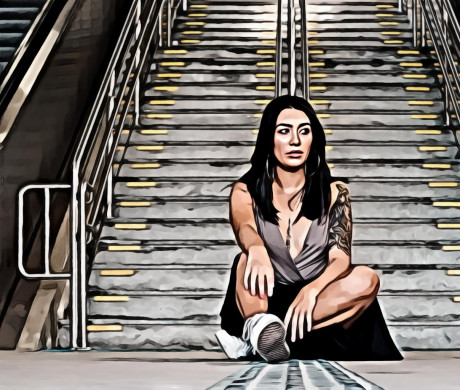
(316, 193)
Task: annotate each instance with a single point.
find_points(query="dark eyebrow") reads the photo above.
(288, 125)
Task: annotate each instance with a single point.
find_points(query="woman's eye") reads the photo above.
(305, 130)
(283, 131)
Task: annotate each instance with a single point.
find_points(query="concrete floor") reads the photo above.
(197, 370)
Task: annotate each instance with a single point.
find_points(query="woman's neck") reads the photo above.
(289, 182)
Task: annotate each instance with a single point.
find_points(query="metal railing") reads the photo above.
(292, 48)
(437, 17)
(92, 166)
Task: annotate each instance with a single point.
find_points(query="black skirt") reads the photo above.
(367, 338)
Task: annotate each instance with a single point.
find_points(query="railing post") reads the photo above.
(109, 146)
(279, 50)
(305, 54)
(136, 64)
(184, 5)
(82, 270)
(415, 22)
(160, 26)
(291, 41)
(168, 24)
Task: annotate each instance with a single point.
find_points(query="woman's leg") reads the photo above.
(248, 305)
(345, 299)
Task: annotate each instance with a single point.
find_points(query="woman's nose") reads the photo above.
(295, 139)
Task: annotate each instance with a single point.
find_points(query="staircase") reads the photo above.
(16, 16)
(162, 267)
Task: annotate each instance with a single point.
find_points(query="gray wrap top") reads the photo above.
(311, 260)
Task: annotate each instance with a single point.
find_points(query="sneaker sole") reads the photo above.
(271, 344)
(221, 344)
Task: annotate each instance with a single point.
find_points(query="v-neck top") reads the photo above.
(311, 260)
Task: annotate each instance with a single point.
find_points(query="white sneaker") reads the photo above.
(234, 347)
(267, 335)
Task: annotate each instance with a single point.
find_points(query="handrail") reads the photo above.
(445, 36)
(92, 166)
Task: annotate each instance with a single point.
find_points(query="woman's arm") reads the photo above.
(340, 236)
(258, 266)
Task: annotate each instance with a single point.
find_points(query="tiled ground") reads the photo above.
(161, 371)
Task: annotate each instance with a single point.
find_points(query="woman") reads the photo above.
(292, 290)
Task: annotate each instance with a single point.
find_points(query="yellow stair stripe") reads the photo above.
(415, 76)
(453, 272)
(316, 63)
(418, 89)
(119, 248)
(424, 116)
(198, 6)
(104, 328)
(135, 204)
(197, 15)
(448, 225)
(265, 87)
(316, 51)
(111, 298)
(436, 166)
(390, 33)
(408, 52)
(384, 6)
(166, 88)
(446, 204)
(155, 131)
(192, 32)
(432, 148)
(266, 51)
(141, 184)
(190, 41)
(175, 75)
(318, 75)
(267, 42)
(317, 88)
(428, 132)
(265, 75)
(159, 116)
(323, 116)
(320, 101)
(451, 248)
(195, 23)
(266, 64)
(158, 102)
(262, 101)
(116, 272)
(145, 165)
(393, 41)
(384, 15)
(389, 23)
(175, 51)
(412, 64)
(150, 147)
(443, 184)
(129, 226)
(420, 102)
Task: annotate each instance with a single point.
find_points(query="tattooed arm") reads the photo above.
(340, 235)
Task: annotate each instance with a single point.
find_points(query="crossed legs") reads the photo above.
(342, 301)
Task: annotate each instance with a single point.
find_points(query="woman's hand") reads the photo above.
(301, 308)
(259, 268)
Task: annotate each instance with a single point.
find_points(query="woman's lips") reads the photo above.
(294, 154)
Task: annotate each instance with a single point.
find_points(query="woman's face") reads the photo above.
(292, 134)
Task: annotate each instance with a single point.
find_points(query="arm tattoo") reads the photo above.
(340, 221)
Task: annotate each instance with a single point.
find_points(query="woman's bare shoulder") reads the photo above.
(240, 193)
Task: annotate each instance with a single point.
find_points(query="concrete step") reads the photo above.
(205, 308)
(177, 336)
(200, 229)
(190, 52)
(434, 136)
(206, 279)
(327, 119)
(211, 151)
(221, 190)
(422, 209)
(403, 78)
(379, 255)
(448, 171)
(332, 106)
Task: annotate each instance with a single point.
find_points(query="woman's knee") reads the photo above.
(365, 281)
